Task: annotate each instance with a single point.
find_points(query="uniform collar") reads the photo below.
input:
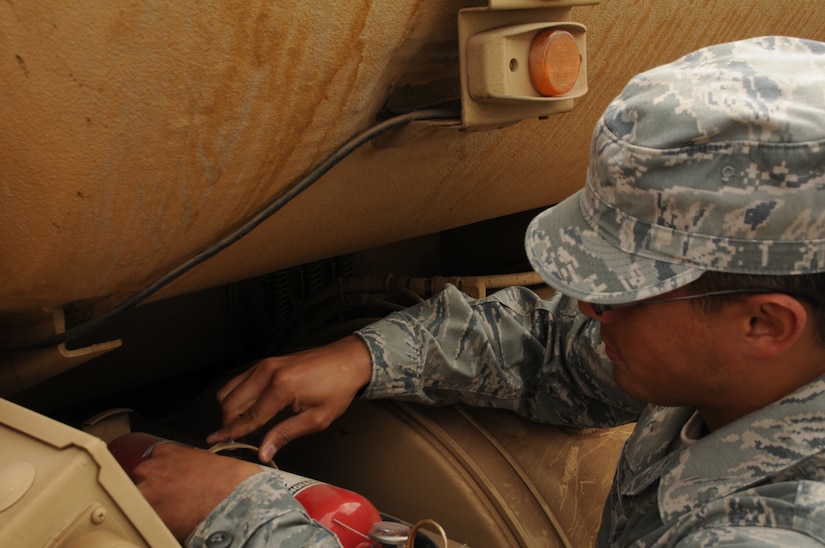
(648, 450)
(744, 452)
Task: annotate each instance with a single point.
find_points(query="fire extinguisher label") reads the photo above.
(294, 483)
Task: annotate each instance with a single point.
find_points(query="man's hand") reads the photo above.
(317, 384)
(184, 485)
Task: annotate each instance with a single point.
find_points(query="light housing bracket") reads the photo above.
(494, 44)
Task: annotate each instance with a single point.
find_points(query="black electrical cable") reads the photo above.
(275, 204)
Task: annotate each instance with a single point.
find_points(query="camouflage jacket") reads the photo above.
(759, 481)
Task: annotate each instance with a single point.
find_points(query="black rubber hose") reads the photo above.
(275, 204)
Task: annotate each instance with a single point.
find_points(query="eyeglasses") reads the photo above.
(600, 309)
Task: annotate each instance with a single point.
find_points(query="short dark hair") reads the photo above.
(809, 287)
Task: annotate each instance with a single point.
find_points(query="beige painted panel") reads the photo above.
(135, 133)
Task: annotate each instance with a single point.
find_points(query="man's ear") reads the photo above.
(775, 323)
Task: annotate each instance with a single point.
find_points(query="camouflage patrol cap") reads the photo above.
(713, 162)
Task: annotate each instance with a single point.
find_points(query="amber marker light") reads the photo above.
(554, 62)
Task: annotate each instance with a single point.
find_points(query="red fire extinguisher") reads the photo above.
(346, 513)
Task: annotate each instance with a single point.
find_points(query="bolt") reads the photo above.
(98, 514)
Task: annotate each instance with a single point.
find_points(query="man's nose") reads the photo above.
(587, 309)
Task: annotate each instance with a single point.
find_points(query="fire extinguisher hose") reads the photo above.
(232, 445)
(414, 529)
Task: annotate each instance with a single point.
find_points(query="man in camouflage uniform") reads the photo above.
(690, 299)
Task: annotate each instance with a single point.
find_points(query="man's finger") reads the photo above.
(231, 384)
(243, 394)
(255, 415)
(288, 430)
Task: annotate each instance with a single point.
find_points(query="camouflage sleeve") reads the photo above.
(260, 512)
(512, 350)
(748, 537)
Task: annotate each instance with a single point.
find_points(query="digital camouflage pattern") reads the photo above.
(713, 162)
(756, 480)
(261, 512)
(511, 350)
(759, 481)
